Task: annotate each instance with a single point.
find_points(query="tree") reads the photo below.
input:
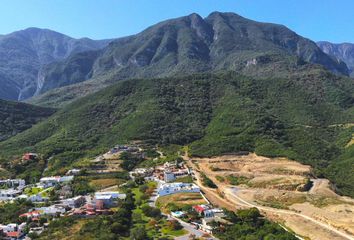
(151, 211)
(174, 225)
(138, 233)
(118, 228)
(42, 220)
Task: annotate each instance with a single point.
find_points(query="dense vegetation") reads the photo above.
(9, 212)
(250, 225)
(297, 116)
(16, 117)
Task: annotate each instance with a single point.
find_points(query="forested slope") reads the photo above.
(297, 117)
(16, 117)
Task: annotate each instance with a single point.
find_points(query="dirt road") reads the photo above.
(231, 194)
(314, 229)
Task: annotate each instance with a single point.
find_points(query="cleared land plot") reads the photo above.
(179, 200)
(99, 184)
(277, 183)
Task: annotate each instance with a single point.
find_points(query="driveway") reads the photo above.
(190, 228)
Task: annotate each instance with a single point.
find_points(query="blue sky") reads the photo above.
(331, 20)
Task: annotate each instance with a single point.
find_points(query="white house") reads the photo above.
(52, 181)
(51, 210)
(212, 213)
(9, 194)
(169, 176)
(14, 183)
(74, 202)
(73, 171)
(177, 187)
(113, 195)
(37, 198)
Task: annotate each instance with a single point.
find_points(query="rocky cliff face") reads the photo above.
(343, 52)
(190, 44)
(222, 40)
(24, 53)
(36, 61)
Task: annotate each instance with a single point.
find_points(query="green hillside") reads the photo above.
(295, 116)
(16, 117)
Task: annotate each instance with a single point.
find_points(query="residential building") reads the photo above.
(13, 183)
(104, 201)
(53, 181)
(212, 213)
(114, 195)
(33, 215)
(73, 171)
(177, 187)
(200, 209)
(74, 202)
(169, 176)
(29, 156)
(13, 231)
(9, 194)
(51, 210)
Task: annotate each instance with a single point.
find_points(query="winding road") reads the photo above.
(231, 192)
(231, 196)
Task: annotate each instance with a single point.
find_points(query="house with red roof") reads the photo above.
(13, 231)
(31, 215)
(200, 209)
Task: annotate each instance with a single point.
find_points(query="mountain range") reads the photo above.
(24, 53)
(342, 51)
(190, 44)
(35, 61)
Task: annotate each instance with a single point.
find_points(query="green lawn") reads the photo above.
(33, 191)
(176, 233)
(186, 179)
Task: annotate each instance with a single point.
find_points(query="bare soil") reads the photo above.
(274, 184)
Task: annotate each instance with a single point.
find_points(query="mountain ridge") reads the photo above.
(23, 53)
(342, 51)
(191, 44)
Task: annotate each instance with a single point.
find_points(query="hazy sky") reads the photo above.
(331, 20)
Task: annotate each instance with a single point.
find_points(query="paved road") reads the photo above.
(188, 227)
